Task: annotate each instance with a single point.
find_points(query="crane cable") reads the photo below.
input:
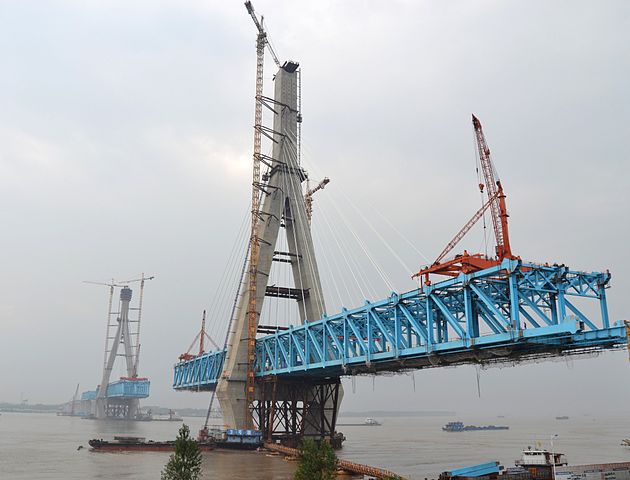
(229, 327)
(484, 241)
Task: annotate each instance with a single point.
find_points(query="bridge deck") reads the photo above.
(123, 388)
(507, 313)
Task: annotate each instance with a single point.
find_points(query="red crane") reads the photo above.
(467, 263)
(494, 190)
(201, 336)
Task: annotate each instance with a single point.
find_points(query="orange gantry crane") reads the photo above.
(201, 337)
(465, 262)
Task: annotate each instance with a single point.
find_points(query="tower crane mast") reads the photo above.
(308, 197)
(261, 31)
(252, 312)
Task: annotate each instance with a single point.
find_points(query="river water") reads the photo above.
(44, 446)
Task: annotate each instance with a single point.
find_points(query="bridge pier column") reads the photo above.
(288, 410)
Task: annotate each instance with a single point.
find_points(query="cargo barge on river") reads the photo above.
(140, 444)
(460, 427)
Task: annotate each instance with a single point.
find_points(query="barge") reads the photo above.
(124, 443)
(460, 427)
(598, 471)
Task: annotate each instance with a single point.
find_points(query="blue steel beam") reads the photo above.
(123, 388)
(200, 373)
(510, 312)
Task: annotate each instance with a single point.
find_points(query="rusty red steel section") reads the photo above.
(347, 465)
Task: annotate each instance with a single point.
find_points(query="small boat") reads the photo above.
(140, 444)
(460, 427)
(368, 422)
(172, 417)
(563, 417)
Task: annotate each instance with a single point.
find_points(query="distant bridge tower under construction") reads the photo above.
(120, 399)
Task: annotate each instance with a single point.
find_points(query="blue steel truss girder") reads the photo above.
(199, 373)
(509, 312)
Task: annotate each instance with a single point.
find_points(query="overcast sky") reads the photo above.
(125, 147)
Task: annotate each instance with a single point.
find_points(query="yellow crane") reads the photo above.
(252, 315)
(308, 197)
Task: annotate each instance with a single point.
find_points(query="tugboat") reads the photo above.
(460, 427)
(125, 443)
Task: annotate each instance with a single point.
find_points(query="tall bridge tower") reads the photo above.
(490, 309)
(283, 205)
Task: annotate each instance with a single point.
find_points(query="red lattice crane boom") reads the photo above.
(467, 263)
(493, 190)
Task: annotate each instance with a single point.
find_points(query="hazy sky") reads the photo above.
(125, 147)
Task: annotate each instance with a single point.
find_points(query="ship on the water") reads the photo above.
(209, 440)
(172, 417)
(460, 427)
(368, 422)
(234, 439)
(540, 464)
(125, 443)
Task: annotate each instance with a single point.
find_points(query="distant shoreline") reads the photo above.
(199, 412)
(54, 408)
(28, 408)
(398, 413)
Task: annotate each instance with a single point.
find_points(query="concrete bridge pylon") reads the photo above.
(282, 205)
